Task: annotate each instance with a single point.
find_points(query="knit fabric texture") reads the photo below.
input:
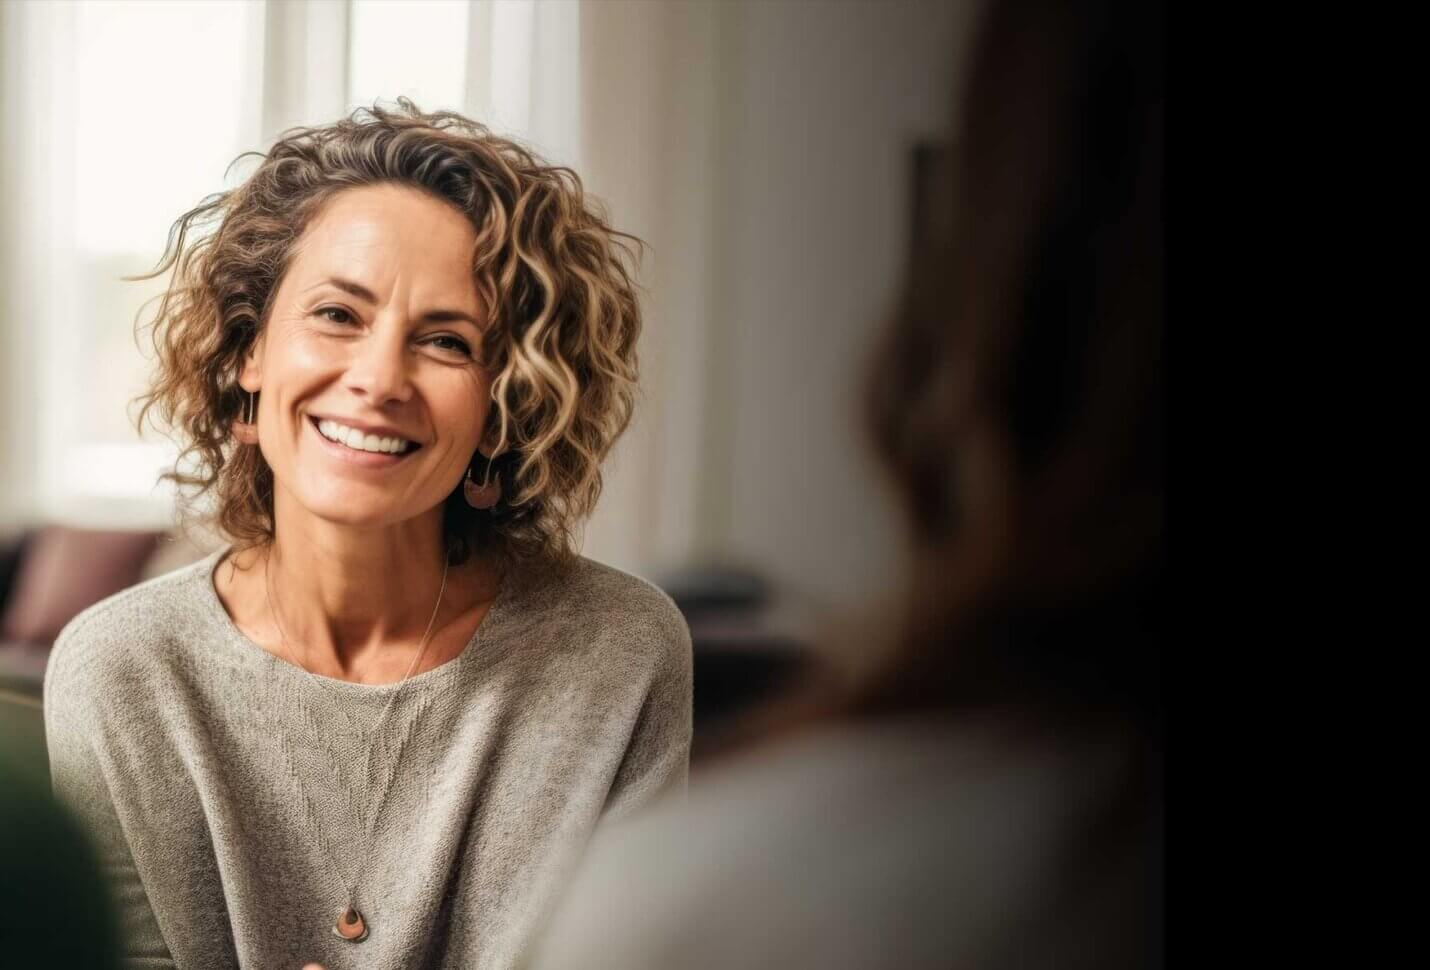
(224, 788)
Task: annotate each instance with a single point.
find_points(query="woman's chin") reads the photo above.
(359, 507)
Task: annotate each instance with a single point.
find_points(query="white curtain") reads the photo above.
(117, 118)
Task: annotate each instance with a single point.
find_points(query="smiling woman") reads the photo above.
(393, 709)
(366, 372)
(524, 253)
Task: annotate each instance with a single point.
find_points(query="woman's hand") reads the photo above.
(312, 966)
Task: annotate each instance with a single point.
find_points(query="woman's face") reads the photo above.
(372, 399)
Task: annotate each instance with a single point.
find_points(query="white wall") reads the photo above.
(829, 101)
(763, 150)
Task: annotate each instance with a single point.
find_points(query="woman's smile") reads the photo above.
(369, 345)
(350, 445)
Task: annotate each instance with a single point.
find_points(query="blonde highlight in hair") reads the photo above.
(560, 340)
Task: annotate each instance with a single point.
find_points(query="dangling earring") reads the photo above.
(246, 428)
(484, 494)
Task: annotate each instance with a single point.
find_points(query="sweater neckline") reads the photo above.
(480, 646)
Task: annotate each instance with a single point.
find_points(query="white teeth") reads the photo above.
(358, 441)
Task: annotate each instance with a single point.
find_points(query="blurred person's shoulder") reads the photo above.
(110, 645)
(896, 844)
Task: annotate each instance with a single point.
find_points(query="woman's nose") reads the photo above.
(379, 370)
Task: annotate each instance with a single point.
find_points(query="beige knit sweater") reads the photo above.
(224, 788)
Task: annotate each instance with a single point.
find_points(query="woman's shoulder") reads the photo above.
(605, 585)
(594, 588)
(605, 604)
(111, 634)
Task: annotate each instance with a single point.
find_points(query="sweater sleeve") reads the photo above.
(79, 783)
(657, 759)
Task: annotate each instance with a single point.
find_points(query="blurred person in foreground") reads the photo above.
(992, 797)
(54, 907)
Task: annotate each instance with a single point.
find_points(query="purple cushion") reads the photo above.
(66, 570)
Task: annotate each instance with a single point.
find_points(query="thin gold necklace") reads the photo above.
(351, 925)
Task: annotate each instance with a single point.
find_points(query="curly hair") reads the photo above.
(556, 279)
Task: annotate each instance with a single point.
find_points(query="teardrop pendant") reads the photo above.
(351, 926)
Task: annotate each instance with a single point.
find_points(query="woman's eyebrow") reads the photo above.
(347, 286)
(450, 316)
(363, 293)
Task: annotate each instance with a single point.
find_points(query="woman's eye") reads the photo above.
(336, 314)
(456, 344)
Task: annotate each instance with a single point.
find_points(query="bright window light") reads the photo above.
(412, 48)
(120, 471)
(160, 98)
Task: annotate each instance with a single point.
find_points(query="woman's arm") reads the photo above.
(657, 761)
(79, 783)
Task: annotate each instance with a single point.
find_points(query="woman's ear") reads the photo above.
(250, 372)
(250, 381)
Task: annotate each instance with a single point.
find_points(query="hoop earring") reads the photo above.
(483, 495)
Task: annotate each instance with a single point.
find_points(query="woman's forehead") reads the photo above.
(383, 231)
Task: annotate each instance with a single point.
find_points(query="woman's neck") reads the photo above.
(354, 604)
(357, 585)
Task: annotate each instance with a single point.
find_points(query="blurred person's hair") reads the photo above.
(1017, 399)
(555, 280)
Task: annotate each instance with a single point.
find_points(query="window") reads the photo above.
(133, 113)
(155, 105)
(412, 48)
